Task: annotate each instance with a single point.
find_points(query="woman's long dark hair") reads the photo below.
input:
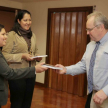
(1, 27)
(16, 26)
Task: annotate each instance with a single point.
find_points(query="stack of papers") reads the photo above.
(52, 67)
(40, 56)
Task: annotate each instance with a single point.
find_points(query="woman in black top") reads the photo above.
(8, 73)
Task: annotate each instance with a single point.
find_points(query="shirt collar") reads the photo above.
(104, 39)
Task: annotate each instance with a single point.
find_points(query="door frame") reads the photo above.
(8, 9)
(89, 9)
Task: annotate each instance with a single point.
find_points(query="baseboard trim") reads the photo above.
(39, 84)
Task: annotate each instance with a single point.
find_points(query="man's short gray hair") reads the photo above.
(99, 18)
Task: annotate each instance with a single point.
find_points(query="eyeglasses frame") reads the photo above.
(90, 29)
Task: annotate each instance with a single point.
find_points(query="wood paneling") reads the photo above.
(55, 49)
(66, 43)
(72, 50)
(61, 43)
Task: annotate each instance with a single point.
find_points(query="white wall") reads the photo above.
(11, 4)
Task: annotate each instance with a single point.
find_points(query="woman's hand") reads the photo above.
(27, 57)
(38, 59)
(39, 68)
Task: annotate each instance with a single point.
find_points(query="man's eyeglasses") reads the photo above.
(90, 29)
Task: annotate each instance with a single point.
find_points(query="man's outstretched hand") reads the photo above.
(60, 71)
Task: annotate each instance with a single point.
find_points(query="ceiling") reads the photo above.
(22, 1)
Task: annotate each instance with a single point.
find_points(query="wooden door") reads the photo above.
(7, 17)
(66, 43)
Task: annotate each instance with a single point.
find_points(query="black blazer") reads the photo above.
(7, 73)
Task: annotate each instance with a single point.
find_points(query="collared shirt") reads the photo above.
(100, 71)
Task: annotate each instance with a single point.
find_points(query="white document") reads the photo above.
(40, 56)
(52, 67)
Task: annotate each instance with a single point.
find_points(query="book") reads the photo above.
(40, 56)
(52, 66)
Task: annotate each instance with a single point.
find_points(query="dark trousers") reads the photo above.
(87, 105)
(0, 106)
(21, 92)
